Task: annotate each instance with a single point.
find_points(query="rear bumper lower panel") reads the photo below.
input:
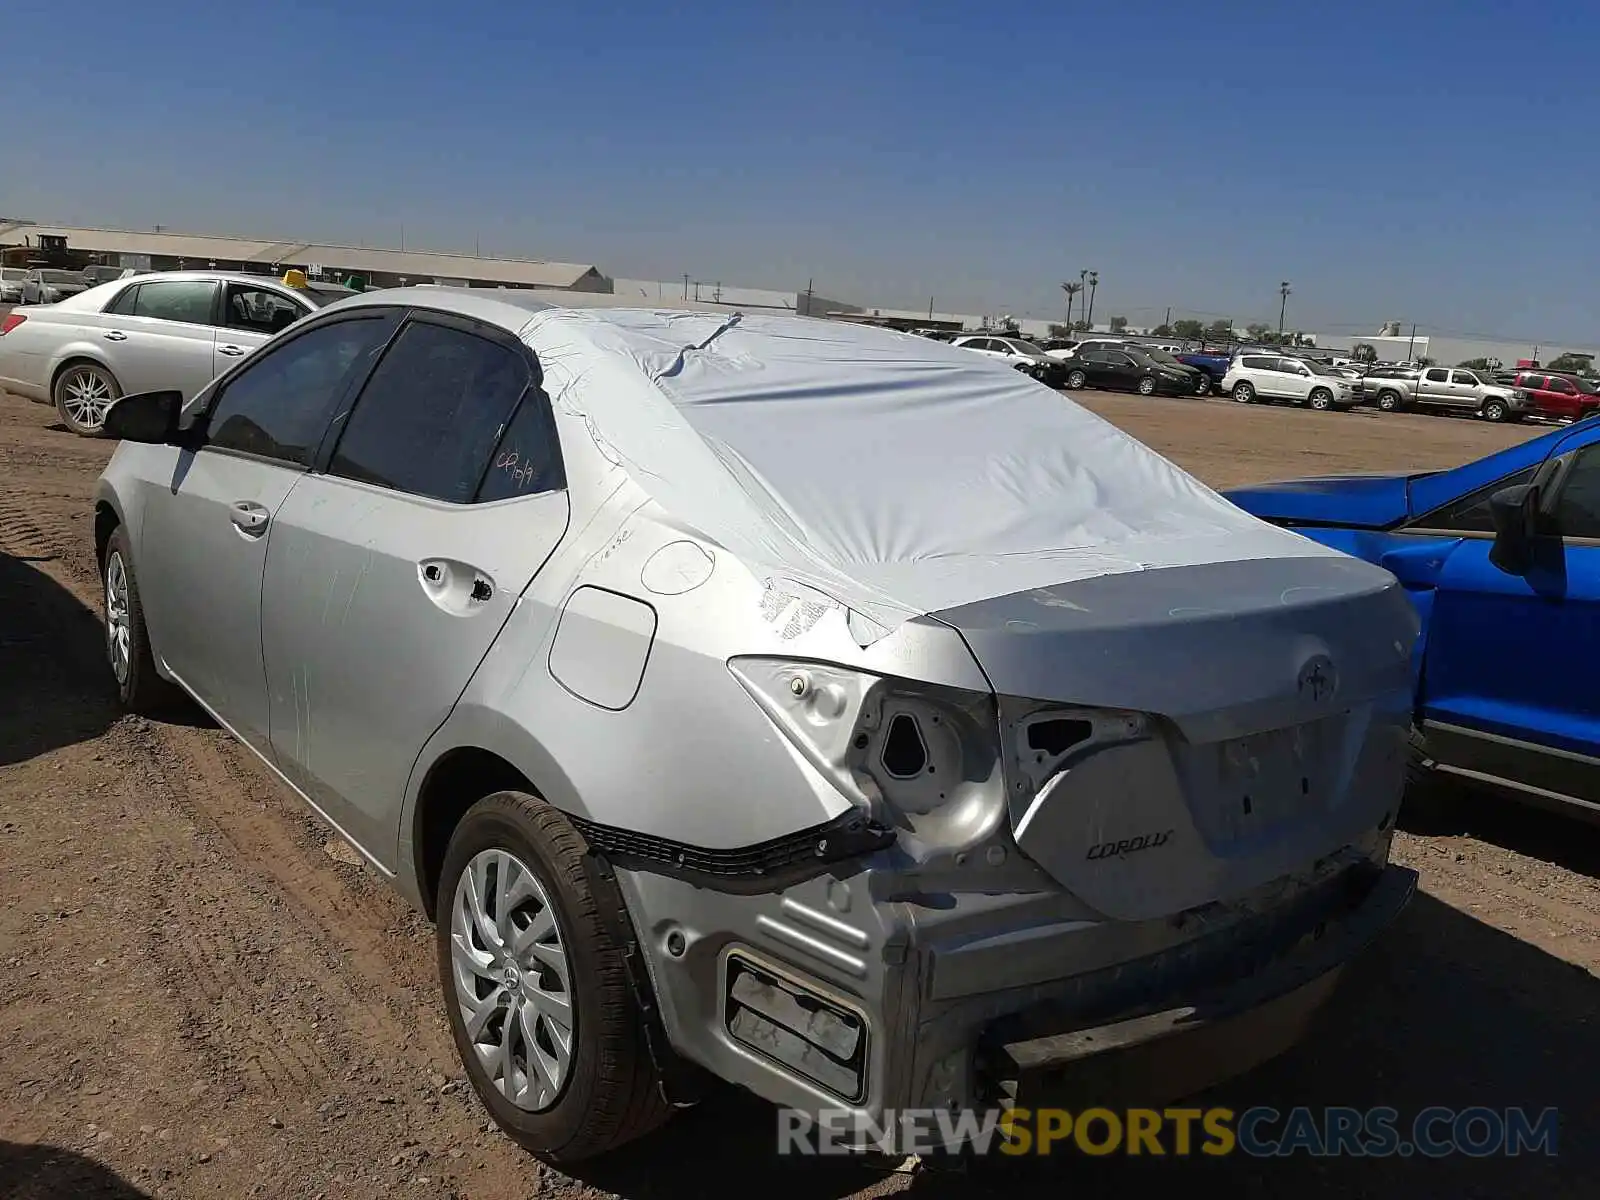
(1221, 1028)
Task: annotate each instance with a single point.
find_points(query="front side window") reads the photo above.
(279, 405)
(258, 309)
(429, 419)
(1470, 513)
(176, 300)
(1578, 506)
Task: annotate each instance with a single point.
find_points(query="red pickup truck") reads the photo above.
(1561, 396)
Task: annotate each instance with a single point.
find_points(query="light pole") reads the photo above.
(1094, 282)
(1083, 286)
(1283, 306)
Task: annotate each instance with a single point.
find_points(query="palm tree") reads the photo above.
(1071, 289)
(1094, 284)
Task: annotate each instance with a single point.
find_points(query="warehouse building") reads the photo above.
(23, 244)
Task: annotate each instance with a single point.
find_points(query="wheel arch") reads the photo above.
(106, 522)
(73, 356)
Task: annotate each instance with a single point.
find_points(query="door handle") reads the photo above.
(248, 517)
(114, 335)
(230, 350)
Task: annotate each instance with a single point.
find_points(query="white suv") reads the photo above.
(1271, 377)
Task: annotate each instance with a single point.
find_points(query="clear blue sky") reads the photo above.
(1425, 161)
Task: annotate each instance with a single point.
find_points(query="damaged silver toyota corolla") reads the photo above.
(824, 709)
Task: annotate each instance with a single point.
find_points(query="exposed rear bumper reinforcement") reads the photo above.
(1045, 1058)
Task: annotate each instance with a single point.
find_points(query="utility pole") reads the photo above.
(1283, 306)
(686, 285)
(930, 308)
(1094, 282)
(1412, 346)
(1168, 321)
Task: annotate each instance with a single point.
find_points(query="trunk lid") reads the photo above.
(1181, 736)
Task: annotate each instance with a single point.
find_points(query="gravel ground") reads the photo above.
(201, 994)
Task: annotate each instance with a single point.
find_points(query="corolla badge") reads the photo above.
(1319, 679)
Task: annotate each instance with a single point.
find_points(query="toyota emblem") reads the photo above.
(1318, 680)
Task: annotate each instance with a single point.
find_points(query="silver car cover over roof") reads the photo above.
(893, 475)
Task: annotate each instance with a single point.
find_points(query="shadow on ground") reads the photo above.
(57, 688)
(1444, 1011)
(51, 1173)
(1555, 837)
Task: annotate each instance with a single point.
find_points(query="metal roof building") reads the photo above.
(165, 251)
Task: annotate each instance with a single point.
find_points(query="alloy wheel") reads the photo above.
(117, 622)
(513, 980)
(86, 394)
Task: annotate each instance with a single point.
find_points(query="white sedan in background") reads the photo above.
(173, 330)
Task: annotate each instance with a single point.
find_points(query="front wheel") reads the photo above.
(1321, 400)
(1147, 386)
(536, 986)
(1076, 379)
(133, 666)
(1494, 410)
(1244, 393)
(83, 394)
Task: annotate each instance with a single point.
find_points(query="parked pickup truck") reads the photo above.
(1214, 363)
(1446, 387)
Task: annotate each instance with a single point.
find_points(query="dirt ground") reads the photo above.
(202, 995)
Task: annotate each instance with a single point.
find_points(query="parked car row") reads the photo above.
(173, 330)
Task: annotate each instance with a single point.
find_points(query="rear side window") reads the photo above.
(1532, 382)
(279, 405)
(430, 418)
(1437, 376)
(176, 300)
(124, 301)
(1563, 386)
(1253, 363)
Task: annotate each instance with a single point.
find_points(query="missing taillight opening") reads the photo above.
(1058, 736)
(904, 752)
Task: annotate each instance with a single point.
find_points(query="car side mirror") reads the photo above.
(1515, 513)
(148, 417)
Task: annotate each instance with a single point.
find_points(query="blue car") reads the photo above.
(1502, 559)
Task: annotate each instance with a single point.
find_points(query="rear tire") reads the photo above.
(1244, 393)
(610, 1091)
(1388, 401)
(1076, 379)
(82, 394)
(1202, 386)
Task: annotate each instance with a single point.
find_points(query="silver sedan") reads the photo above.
(175, 329)
(836, 712)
